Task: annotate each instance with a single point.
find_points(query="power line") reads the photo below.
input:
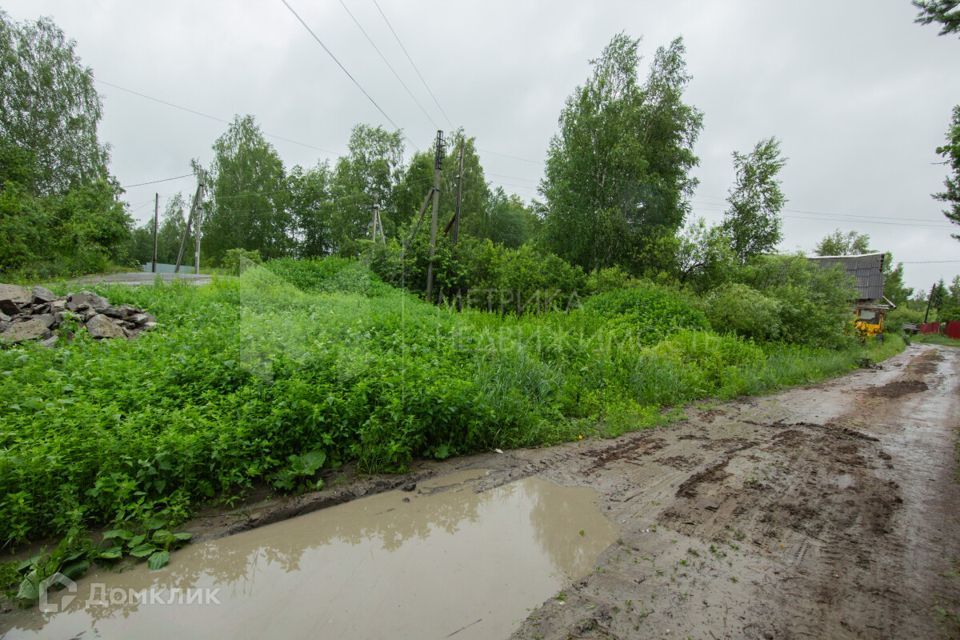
(833, 218)
(209, 117)
(142, 184)
(414, 64)
(340, 64)
(841, 217)
(387, 62)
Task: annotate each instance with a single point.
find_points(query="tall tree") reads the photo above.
(753, 220)
(505, 220)
(945, 12)
(839, 243)
(617, 172)
(49, 108)
(311, 209)
(249, 195)
(951, 153)
(59, 208)
(364, 179)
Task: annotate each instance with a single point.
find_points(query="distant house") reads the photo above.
(867, 270)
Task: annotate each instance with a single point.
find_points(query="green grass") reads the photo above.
(253, 380)
(933, 338)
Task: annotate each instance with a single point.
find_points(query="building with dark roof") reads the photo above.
(866, 269)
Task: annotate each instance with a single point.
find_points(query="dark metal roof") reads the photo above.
(867, 269)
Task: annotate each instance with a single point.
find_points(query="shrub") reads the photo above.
(647, 311)
(236, 261)
(816, 303)
(745, 311)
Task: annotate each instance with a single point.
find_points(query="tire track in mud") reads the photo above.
(787, 525)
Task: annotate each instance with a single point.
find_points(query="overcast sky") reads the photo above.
(859, 95)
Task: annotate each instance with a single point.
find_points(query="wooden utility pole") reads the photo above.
(377, 226)
(437, 167)
(156, 229)
(456, 215)
(191, 222)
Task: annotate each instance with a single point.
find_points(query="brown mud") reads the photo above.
(829, 511)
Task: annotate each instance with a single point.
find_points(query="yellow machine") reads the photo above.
(869, 321)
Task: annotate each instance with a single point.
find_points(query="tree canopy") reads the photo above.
(753, 220)
(839, 243)
(951, 154)
(248, 188)
(944, 12)
(49, 108)
(617, 171)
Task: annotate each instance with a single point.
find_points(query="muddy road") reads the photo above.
(824, 512)
(831, 511)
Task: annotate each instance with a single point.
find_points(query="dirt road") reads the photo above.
(831, 511)
(826, 512)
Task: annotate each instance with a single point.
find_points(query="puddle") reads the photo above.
(448, 563)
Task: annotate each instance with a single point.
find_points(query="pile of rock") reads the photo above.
(35, 314)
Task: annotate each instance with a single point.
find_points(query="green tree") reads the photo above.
(839, 243)
(704, 256)
(617, 172)
(753, 220)
(409, 194)
(505, 220)
(311, 209)
(951, 153)
(59, 208)
(49, 108)
(894, 289)
(945, 12)
(249, 195)
(363, 179)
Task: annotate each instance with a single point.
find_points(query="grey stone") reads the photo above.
(41, 294)
(87, 300)
(48, 319)
(42, 307)
(100, 326)
(4, 317)
(50, 342)
(121, 311)
(140, 319)
(149, 325)
(28, 330)
(60, 304)
(15, 293)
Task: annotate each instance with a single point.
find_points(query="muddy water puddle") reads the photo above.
(440, 562)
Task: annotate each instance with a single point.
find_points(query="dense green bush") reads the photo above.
(900, 316)
(263, 378)
(745, 311)
(236, 261)
(646, 311)
(483, 275)
(816, 304)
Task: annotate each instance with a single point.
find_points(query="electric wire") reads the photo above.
(414, 64)
(340, 64)
(389, 66)
(208, 116)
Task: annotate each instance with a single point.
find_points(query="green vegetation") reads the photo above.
(269, 378)
(59, 213)
(933, 338)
